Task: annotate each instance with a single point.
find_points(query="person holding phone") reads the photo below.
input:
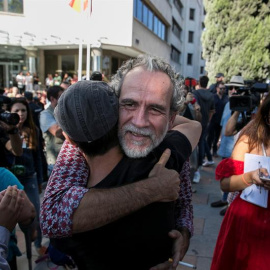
(244, 237)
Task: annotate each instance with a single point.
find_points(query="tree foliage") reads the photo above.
(237, 38)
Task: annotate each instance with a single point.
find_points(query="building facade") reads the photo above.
(45, 36)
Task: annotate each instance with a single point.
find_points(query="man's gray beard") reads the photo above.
(138, 152)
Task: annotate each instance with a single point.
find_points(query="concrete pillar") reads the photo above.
(97, 59)
(41, 68)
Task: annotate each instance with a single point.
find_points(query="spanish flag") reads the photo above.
(76, 5)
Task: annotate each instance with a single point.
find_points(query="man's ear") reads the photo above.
(171, 120)
(69, 139)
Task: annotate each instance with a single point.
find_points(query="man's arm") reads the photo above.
(108, 205)
(14, 144)
(211, 113)
(66, 196)
(56, 131)
(48, 123)
(231, 129)
(190, 128)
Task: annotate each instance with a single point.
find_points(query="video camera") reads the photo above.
(7, 117)
(248, 97)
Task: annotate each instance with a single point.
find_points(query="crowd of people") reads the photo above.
(118, 160)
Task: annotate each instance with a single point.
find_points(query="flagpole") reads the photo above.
(80, 61)
(81, 44)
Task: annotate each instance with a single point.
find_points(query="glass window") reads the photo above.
(15, 6)
(175, 54)
(150, 20)
(190, 36)
(12, 6)
(159, 29)
(202, 70)
(1, 5)
(192, 14)
(162, 31)
(139, 10)
(189, 59)
(178, 6)
(134, 8)
(176, 29)
(155, 25)
(145, 13)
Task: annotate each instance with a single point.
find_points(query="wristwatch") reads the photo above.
(13, 131)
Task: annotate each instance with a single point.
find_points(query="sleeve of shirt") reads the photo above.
(46, 121)
(4, 239)
(183, 207)
(65, 189)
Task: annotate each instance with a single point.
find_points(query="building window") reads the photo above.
(176, 29)
(202, 70)
(178, 6)
(191, 14)
(147, 16)
(12, 6)
(203, 26)
(150, 20)
(190, 36)
(189, 59)
(175, 54)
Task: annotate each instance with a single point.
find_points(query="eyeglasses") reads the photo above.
(222, 88)
(233, 87)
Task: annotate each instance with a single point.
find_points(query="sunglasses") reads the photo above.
(233, 87)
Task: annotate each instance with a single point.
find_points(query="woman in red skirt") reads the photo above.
(244, 237)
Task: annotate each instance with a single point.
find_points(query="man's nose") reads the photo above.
(140, 118)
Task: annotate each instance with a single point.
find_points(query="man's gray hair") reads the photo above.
(153, 64)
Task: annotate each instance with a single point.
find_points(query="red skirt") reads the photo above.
(244, 238)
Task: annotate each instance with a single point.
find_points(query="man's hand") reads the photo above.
(167, 181)
(28, 212)
(11, 205)
(180, 247)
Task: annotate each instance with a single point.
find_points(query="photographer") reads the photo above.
(243, 103)
(10, 141)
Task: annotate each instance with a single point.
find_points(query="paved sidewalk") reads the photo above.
(206, 224)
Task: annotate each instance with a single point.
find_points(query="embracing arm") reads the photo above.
(190, 128)
(67, 203)
(108, 205)
(65, 189)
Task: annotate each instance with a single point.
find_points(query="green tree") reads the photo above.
(237, 38)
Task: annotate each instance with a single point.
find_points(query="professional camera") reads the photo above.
(7, 117)
(248, 97)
